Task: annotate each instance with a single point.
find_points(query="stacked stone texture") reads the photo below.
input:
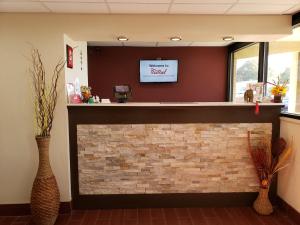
(167, 158)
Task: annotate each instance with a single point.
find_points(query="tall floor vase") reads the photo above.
(262, 204)
(45, 194)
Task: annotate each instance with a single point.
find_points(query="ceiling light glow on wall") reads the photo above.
(175, 38)
(228, 38)
(122, 38)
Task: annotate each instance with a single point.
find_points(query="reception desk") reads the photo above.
(166, 154)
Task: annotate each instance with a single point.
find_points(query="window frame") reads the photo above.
(262, 63)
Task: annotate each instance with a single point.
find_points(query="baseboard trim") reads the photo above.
(164, 200)
(289, 210)
(24, 209)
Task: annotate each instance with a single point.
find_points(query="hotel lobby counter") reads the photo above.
(166, 154)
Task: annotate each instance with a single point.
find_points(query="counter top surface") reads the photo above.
(163, 104)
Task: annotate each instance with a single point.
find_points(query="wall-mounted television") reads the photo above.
(158, 71)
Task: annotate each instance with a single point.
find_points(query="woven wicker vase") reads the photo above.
(262, 204)
(45, 198)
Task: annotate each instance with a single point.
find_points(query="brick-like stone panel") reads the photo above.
(167, 158)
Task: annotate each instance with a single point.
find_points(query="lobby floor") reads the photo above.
(166, 216)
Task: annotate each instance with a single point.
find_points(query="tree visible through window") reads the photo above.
(245, 70)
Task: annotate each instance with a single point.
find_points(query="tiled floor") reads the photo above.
(168, 216)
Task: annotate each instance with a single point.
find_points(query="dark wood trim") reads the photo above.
(295, 116)
(239, 45)
(289, 210)
(24, 209)
(164, 114)
(65, 207)
(230, 61)
(296, 19)
(165, 200)
(229, 89)
(263, 61)
(14, 210)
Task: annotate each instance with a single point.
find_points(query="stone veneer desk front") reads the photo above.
(166, 154)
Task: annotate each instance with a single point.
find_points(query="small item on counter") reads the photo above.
(105, 100)
(248, 95)
(85, 93)
(76, 99)
(96, 99)
(70, 91)
(267, 99)
(91, 100)
(73, 97)
(122, 93)
(254, 92)
(258, 91)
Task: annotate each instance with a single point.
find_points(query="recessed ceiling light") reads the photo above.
(175, 38)
(228, 38)
(122, 38)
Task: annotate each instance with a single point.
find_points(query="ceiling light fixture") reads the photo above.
(175, 38)
(122, 38)
(228, 38)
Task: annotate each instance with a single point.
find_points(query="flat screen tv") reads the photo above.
(158, 71)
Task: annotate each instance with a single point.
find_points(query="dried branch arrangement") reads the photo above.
(268, 161)
(45, 98)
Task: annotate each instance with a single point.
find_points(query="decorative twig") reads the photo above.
(45, 95)
(267, 164)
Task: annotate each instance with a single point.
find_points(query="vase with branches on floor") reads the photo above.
(45, 197)
(267, 160)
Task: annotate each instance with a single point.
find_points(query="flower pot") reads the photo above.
(262, 204)
(45, 198)
(277, 99)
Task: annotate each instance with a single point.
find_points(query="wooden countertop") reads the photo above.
(162, 104)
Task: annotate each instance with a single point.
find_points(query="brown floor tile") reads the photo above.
(130, 214)
(185, 221)
(158, 222)
(103, 222)
(282, 218)
(236, 216)
(62, 219)
(182, 213)
(166, 216)
(91, 217)
(157, 214)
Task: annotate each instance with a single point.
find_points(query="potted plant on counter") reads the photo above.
(267, 162)
(278, 90)
(45, 197)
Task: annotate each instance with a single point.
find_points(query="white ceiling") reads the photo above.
(157, 44)
(153, 6)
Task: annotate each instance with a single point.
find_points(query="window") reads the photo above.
(265, 62)
(245, 69)
(283, 63)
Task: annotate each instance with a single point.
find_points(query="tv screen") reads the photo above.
(161, 71)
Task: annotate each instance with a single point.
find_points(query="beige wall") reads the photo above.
(79, 70)
(289, 179)
(18, 152)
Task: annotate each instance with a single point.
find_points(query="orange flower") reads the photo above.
(279, 89)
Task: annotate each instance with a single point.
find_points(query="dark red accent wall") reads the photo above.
(202, 73)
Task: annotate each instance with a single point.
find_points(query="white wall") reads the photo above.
(289, 178)
(79, 70)
(18, 151)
